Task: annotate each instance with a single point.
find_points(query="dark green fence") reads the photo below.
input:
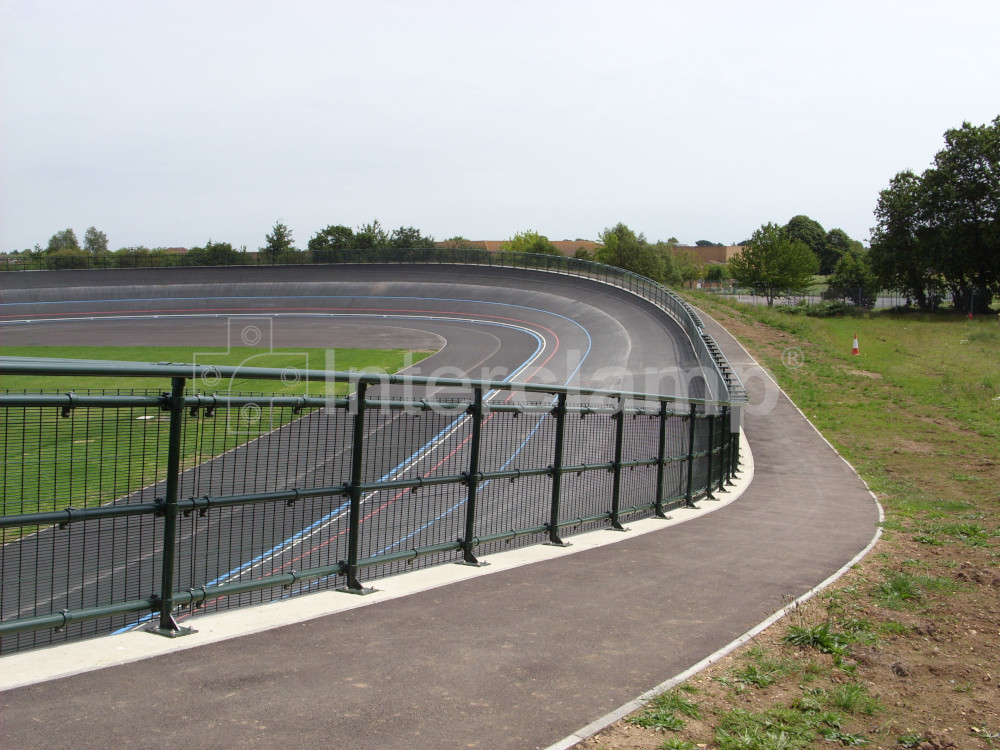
(129, 509)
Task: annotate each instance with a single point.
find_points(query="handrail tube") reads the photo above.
(218, 401)
(75, 515)
(38, 366)
(410, 554)
(67, 617)
(512, 534)
(206, 502)
(198, 594)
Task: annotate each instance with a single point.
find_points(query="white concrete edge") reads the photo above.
(53, 662)
(620, 713)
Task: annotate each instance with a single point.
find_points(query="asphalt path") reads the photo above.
(520, 658)
(492, 324)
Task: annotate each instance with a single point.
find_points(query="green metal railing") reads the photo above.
(582, 459)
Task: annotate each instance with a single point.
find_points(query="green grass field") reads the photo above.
(92, 456)
(364, 360)
(917, 413)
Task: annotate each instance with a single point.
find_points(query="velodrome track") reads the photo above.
(484, 323)
(510, 660)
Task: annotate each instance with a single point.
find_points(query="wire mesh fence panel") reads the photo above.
(416, 444)
(590, 441)
(509, 505)
(404, 520)
(56, 456)
(88, 564)
(260, 503)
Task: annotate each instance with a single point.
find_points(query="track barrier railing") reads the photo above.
(132, 509)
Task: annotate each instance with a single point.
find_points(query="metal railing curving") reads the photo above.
(124, 510)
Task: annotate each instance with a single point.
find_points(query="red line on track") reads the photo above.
(376, 511)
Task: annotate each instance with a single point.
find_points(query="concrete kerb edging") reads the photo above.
(620, 713)
(64, 660)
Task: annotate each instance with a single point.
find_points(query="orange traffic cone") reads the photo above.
(854, 349)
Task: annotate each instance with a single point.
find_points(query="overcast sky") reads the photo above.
(172, 123)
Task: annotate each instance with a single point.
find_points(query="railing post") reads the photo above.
(724, 450)
(689, 496)
(711, 449)
(661, 461)
(557, 471)
(175, 405)
(468, 543)
(353, 586)
(616, 491)
(736, 454)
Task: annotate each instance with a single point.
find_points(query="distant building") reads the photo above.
(712, 253)
(566, 247)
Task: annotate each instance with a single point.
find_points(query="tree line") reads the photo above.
(937, 237)
(337, 242)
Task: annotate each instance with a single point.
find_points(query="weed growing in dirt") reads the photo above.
(661, 713)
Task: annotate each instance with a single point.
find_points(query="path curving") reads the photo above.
(518, 658)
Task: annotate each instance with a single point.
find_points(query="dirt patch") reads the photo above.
(902, 445)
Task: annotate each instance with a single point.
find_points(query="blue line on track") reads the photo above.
(414, 456)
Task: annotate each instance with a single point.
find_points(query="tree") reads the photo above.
(839, 242)
(409, 238)
(621, 247)
(708, 243)
(64, 240)
(941, 231)
(328, 243)
(279, 243)
(213, 254)
(898, 257)
(853, 280)
(688, 264)
(530, 241)
(670, 273)
(811, 232)
(773, 263)
(461, 243)
(717, 273)
(95, 242)
(67, 257)
(961, 214)
(371, 237)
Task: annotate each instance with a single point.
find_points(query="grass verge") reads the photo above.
(903, 650)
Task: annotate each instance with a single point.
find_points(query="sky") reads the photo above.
(172, 124)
